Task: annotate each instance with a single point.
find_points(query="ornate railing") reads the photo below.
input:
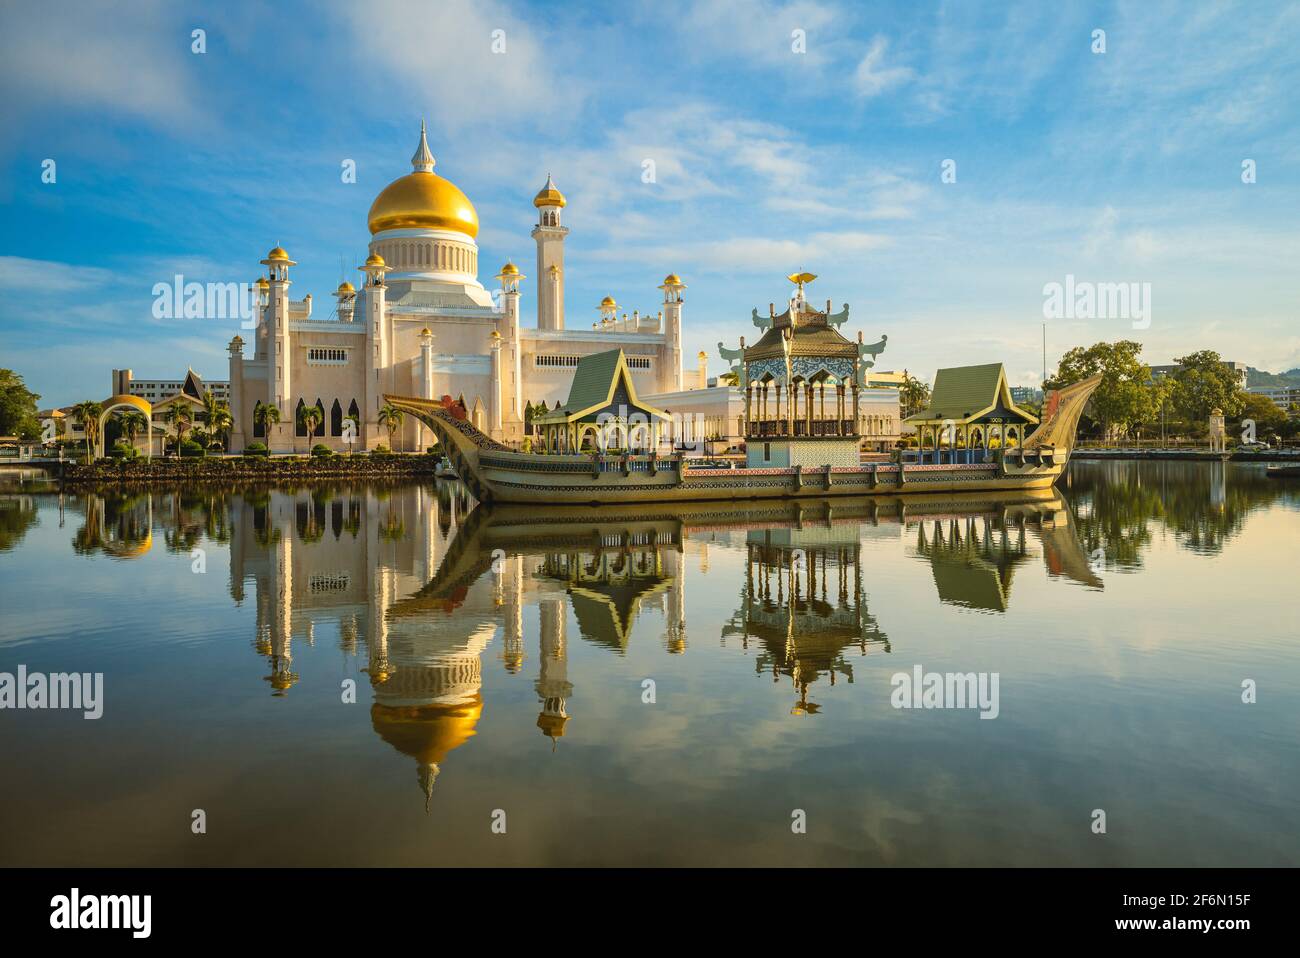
(820, 428)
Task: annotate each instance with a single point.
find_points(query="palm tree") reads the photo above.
(220, 424)
(268, 417)
(216, 414)
(351, 429)
(88, 413)
(179, 416)
(310, 417)
(133, 423)
(390, 417)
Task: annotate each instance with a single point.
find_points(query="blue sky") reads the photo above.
(1122, 166)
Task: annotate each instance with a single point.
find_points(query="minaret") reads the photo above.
(495, 415)
(672, 287)
(509, 278)
(236, 349)
(553, 685)
(376, 347)
(549, 235)
(279, 354)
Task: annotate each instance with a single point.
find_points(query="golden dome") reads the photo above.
(608, 303)
(427, 733)
(374, 259)
(346, 287)
(510, 269)
(495, 335)
(671, 280)
(262, 282)
(277, 254)
(423, 200)
(548, 195)
(425, 332)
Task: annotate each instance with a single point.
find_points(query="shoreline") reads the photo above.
(239, 469)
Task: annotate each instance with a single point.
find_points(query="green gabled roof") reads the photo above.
(963, 392)
(594, 380)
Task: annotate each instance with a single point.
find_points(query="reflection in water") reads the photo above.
(425, 592)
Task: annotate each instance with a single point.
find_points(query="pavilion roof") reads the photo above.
(964, 393)
(594, 381)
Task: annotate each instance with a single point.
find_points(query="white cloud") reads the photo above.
(872, 77)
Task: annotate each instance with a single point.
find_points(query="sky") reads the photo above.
(937, 165)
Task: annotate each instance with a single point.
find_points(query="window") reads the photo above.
(638, 362)
(326, 356)
(556, 361)
(767, 452)
(336, 419)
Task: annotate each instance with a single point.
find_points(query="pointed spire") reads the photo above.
(423, 161)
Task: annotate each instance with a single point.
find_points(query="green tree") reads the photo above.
(1126, 397)
(390, 417)
(914, 394)
(133, 423)
(17, 407)
(87, 413)
(309, 417)
(1203, 383)
(1270, 421)
(181, 418)
(267, 417)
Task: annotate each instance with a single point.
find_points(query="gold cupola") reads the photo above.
(549, 195)
(423, 200)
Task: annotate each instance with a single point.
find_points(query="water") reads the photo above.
(500, 662)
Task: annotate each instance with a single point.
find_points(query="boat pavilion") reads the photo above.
(970, 408)
(602, 411)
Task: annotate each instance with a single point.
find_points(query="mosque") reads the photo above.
(422, 324)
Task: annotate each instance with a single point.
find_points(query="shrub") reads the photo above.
(321, 451)
(190, 449)
(256, 449)
(124, 450)
(381, 450)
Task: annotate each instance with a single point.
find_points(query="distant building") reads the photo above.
(1026, 394)
(154, 391)
(1158, 372)
(1282, 396)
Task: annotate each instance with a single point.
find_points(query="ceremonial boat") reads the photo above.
(603, 446)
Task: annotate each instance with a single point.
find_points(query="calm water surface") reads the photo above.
(501, 657)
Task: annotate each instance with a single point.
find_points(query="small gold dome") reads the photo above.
(277, 254)
(495, 334)
(425, 332)
(510, 269)
(346, 287)
(608, 303)
(548, 195)
(672, 279)
(374, 259)
(262, 282)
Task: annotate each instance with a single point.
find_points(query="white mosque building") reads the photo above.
(422, 324)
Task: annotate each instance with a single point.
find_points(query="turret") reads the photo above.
(509, 278)
(236, 350)
(672, 287)
(549, 235)
(376, 345)
(279, 354)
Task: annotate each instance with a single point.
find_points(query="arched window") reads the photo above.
(321, 422)
(355, 415)
(298, 428)
(259, 430)
(336, 419)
